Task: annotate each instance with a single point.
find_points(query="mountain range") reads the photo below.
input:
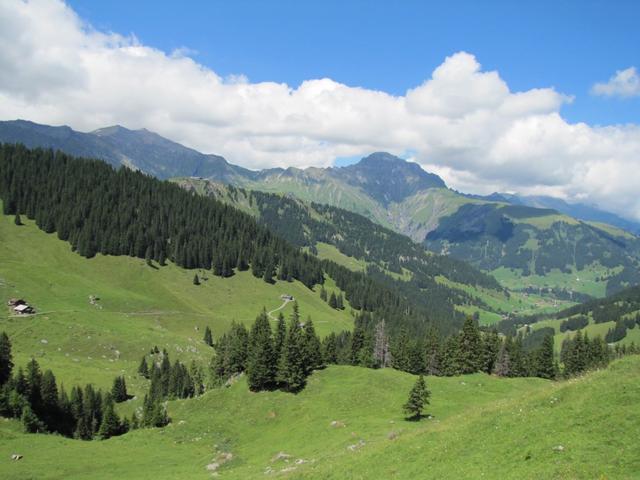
(526, 241)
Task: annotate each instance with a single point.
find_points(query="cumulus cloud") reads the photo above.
(462, 122)
(625, 83)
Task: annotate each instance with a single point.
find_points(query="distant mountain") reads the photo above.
(572, 247)
(581, 211)
(136, 149)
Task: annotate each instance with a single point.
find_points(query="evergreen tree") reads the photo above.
(31, 422)
(323, 293)
(119, 390)
(333, 300)
(196, 280)
(291, 369)
(330, 349)
(502, 365)
(418, 398)
(261, 363)
(279, 338)
(312, 348)
(48, 411)
(544, 364)
(208, 337)
(339, 301)
(17, 220)
(6, 359)
(470, 347)
(34, 383)
(110, 425)
(143, 369)
(490, 348)
(432, 353)
(401, 351)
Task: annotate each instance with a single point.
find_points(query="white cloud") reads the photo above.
(463, 122)
(625, 83)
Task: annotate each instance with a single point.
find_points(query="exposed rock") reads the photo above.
(558, 448)
(16, 456)
(281, 456)
(392, 435)
(356, 446)
(337, 424)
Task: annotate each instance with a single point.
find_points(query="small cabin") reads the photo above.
(23, 309)
(287, 297)
(14, 302)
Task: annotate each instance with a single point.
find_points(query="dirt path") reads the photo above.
(277, 309)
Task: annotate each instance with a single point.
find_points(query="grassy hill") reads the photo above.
(347, 423)
(138, 307)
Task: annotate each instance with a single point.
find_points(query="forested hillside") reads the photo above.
(98, 209)
(360, 244)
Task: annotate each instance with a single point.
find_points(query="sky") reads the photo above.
(531, 97)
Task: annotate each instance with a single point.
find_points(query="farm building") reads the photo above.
(287, 297)
(23, 309)
(14, 302)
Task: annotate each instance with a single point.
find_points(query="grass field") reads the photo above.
(139, 306)
(583, 281)
(348, 423)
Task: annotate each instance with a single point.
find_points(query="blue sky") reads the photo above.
(393, 46)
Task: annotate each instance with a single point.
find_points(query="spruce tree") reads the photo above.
(110, 425)
(208, 337)
(143, 369)
(544, 365)
(291, 369)
(333, 300)
(261, 364)
(312, 348)
(502, 365)
(418, 398)
(196, 280)
(470, 347)
(119, 390)
(330, 349)
(323, 293)
(31, 422)
(279, 338)
(17, 220)
(339, 301)
(6, 359)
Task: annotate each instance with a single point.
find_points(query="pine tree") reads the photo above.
(291, 369)
(17, 220)
(490, 348)
(323, 294)
(119, 390)
(143, 369)
(6, 359)
(544, 365)
(432, 353)
(196, 280)
(48, 411)
(208, 337)
(31, 422)
(502, 365)
(110, 425)
(333, 300)
(470, 347)
(400, 351)
(261, 364)
(330, 349)
(279, 338)
(418, 398)
(339, 301)
(312, 348)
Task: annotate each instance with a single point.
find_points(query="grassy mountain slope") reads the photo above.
(139, 306)
(360, 244)
(347, 423)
